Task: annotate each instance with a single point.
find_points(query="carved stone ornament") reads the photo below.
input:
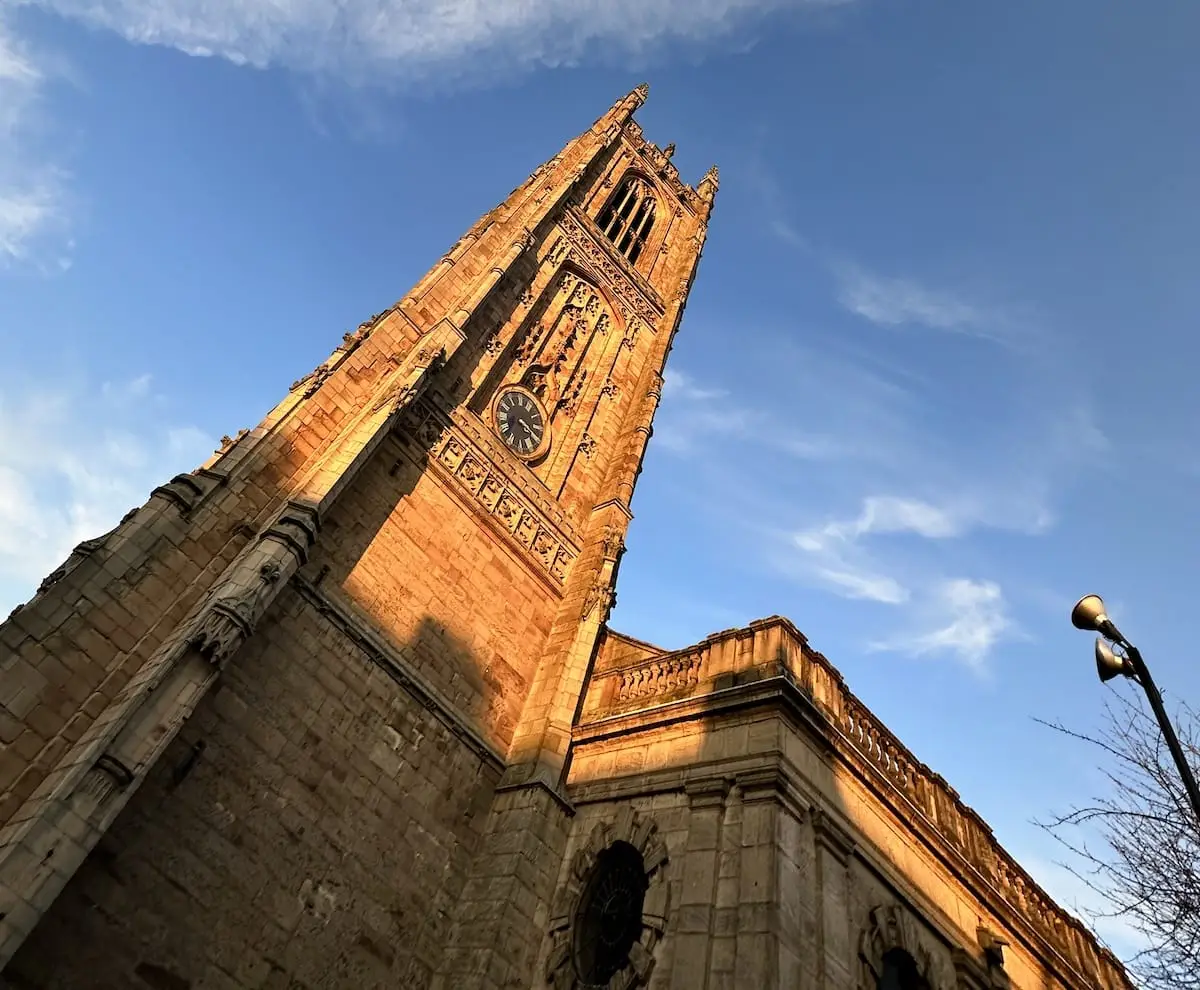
(493, 345)
(235, 609)
(350, 342)
(404, 389)
(602, 596)
(612, 909)
(228, 441)
(231, 618)
(890, 927)
(467, 463)
(614, 542)
(184, 490)
(313, 381)
(637, 297)
(557, 252)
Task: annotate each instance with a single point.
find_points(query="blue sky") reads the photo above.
(935, 380)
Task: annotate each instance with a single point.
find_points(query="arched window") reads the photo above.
(610, 914)
(628, 217)
(900, 972)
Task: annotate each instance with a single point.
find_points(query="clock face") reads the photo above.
(521, 423)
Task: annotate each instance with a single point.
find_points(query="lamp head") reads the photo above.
(1088, 613)
(1108, 664)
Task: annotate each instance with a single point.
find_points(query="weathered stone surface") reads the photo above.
(340, 708)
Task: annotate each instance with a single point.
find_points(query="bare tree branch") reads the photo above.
(1148, 866)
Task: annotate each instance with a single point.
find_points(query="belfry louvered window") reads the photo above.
(628, 217)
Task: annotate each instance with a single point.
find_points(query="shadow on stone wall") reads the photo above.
(310, 827)
(729, 747)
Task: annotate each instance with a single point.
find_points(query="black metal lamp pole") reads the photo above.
(1089, 614)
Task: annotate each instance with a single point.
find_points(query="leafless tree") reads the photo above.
(1139, 846)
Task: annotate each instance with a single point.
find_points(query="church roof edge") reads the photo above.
(971, 835)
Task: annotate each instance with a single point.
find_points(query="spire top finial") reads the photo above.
(626, 106)
(709, 184)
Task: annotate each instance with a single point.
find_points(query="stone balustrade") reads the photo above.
(775, 648)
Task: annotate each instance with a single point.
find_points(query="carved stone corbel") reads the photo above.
(184, 491)
(404, 389)
(614, 543)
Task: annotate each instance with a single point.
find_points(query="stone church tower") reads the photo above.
(340, 708)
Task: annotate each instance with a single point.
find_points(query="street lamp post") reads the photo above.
(1089, 614)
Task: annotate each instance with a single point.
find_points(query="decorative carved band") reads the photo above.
(492, 490)
(634, 294)
(660, 678)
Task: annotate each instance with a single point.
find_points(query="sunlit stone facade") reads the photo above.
(340, 708)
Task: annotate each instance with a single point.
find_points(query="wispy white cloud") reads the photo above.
(73, 460)
(833, 554)
(680, 385)
(852, 580)
(408, 37)
(900, 301)
(32, 184)
(820, 426)
(963, 618)
(885, 514)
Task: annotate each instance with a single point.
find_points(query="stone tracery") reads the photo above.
(628, 832)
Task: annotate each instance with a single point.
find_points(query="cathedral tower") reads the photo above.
(341, 708)
(303, 718)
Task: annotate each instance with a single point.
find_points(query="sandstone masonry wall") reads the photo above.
(310, 827)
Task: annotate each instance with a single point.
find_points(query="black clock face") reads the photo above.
(520, 422)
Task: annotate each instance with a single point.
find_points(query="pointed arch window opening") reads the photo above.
(628, 218)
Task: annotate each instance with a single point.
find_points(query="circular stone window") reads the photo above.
(611, 908)
(609, 917)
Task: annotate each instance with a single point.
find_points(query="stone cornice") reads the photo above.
(772, 690)
(684, 683)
